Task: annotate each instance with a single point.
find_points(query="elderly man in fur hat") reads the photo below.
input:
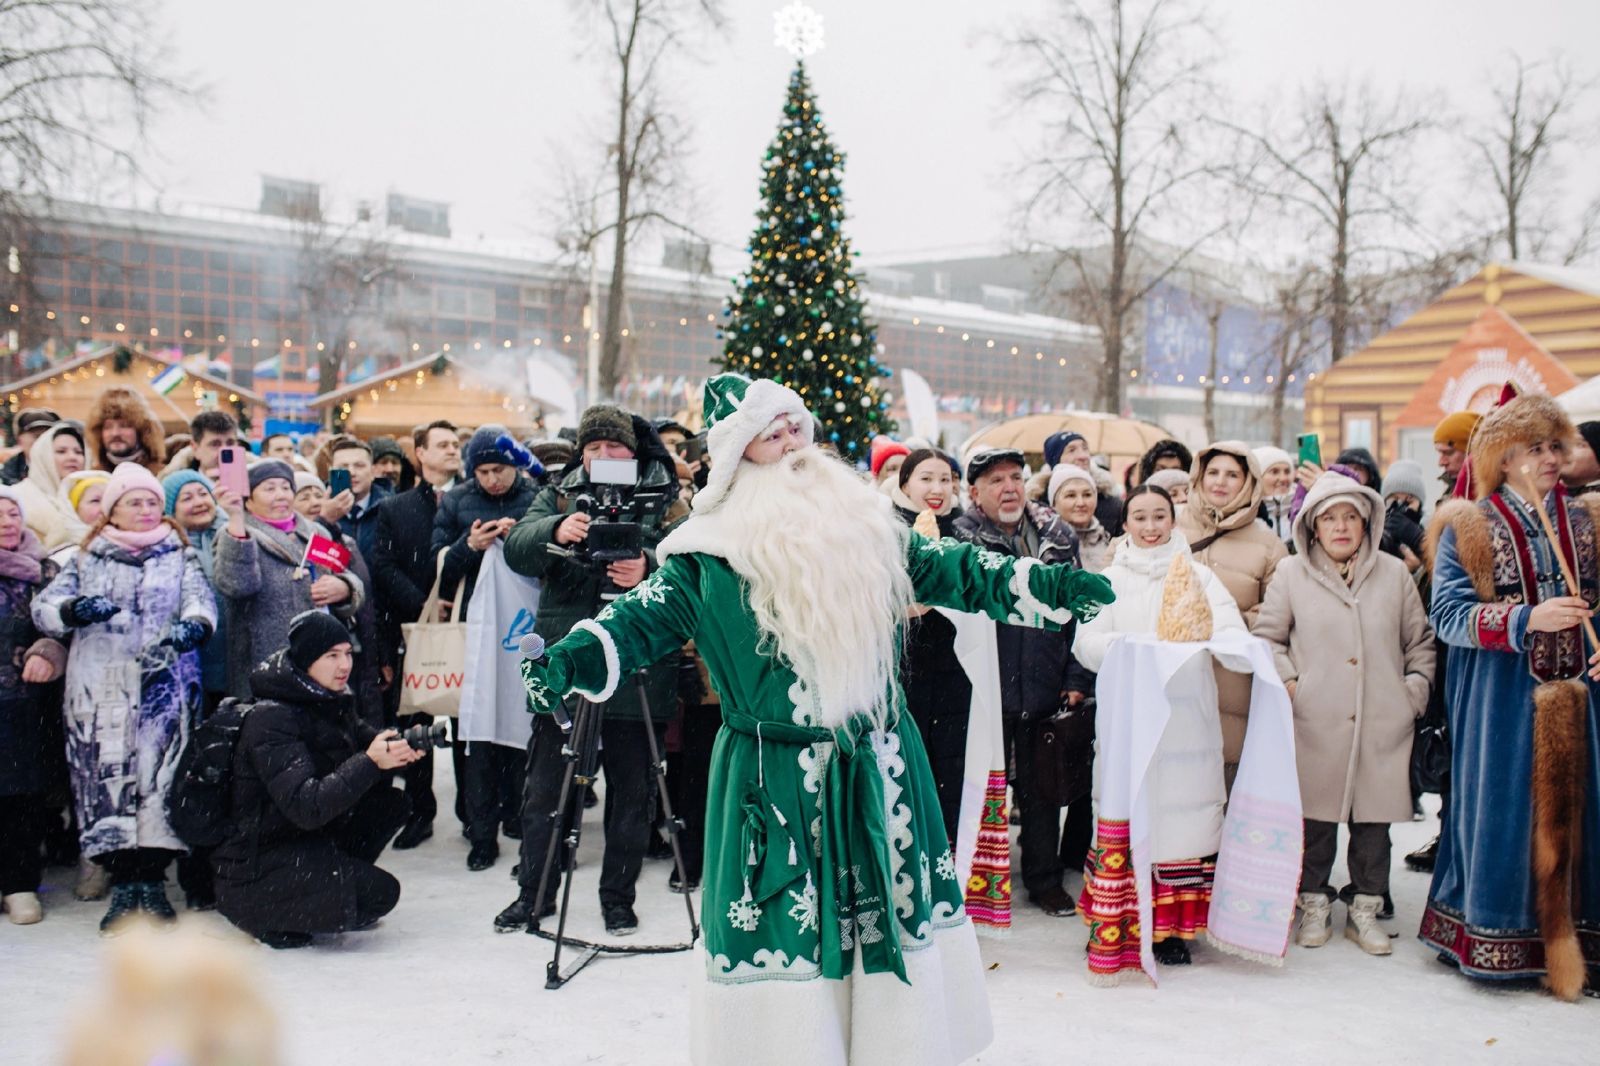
(1516, 890)
(834, 927)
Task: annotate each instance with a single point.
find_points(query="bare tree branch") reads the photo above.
(1116, 87)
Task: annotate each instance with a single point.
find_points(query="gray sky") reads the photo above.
(468, 101)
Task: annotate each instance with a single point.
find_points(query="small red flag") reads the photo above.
(327, 553)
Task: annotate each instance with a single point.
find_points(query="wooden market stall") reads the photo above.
(467, 391)
(175, 392)
(1536, 325)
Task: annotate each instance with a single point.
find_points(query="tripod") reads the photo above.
(581, 753)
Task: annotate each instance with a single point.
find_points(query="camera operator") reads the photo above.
(551, 543)
(312, 808)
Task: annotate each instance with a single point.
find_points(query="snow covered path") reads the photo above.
(436, 976)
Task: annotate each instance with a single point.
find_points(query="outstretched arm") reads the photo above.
(650, 622)
(965, 577)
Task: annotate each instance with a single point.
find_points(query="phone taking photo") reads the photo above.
(231, 473)
(1310, 448)
(338, 481)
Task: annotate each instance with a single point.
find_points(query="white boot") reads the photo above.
(1362, 926)
(94, 881)
(23, 907)
(1316, 920)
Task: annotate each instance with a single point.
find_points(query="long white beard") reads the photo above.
(823, 556)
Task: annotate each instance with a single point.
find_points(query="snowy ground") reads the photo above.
(440, 987)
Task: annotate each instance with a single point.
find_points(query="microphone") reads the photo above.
(532, 648)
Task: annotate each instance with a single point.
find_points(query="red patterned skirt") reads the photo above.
(1181, 901)
(989, 885)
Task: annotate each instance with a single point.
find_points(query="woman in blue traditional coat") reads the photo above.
(1516, 891)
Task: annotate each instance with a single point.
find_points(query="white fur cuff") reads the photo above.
(1029, 604)
(613, 661)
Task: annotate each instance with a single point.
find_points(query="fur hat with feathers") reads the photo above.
(1525, 419)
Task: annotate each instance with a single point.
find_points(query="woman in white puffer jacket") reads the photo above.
(1188, 793)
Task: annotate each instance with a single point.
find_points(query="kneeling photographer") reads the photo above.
(590, 536)
(311, 805)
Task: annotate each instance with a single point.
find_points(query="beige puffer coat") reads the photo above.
(1243, 555)
(1362, 659)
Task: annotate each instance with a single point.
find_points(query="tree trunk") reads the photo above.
(1339, 283)
(1213, 343)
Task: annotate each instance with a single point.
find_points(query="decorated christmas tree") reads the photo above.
(798, 315)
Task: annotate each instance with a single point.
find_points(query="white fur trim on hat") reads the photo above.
(764, 401)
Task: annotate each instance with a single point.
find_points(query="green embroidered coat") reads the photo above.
(819, 844)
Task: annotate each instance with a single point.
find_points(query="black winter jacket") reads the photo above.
(1036, 665)
(463, 505)
(402, 564)
(299, 768)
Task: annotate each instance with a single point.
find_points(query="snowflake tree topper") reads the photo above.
(797, 29)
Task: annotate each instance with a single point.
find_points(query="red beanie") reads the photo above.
(884, 449)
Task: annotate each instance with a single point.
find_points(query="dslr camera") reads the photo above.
(616, 508)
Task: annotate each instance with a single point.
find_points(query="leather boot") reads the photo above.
(1316, 920)
(1362, 926)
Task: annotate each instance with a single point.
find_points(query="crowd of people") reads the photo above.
(141, 594)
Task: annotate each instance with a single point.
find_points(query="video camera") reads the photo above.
(617, 508)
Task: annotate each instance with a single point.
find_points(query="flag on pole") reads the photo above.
(327, 553)
(167, 382)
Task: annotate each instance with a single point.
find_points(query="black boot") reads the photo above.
(124, 901)
(153, 901)
(483, 855)
(1171, 952)
(414, 832)
(520, 913)
(1424, 857)
(285, 941)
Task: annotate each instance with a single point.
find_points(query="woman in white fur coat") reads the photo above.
(1188, 794)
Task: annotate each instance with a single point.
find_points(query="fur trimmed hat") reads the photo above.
(1525, 419)
(125, 405)
(736, 411)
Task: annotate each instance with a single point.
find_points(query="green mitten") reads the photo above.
(1084, 593)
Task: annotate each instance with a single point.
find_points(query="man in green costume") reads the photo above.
(834, 928)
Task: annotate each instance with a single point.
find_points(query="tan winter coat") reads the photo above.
(1362, 658)
(1244, 557)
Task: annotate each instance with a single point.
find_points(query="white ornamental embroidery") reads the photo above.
(946, 866)
(990, 560)
(938, 547)
(744, 915)
(869, 933)
(846, 939)
(927, 878)
(804, 910)
(607, 614)
(652, 590)
(816, 837)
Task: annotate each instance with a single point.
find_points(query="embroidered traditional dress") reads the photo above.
(830, 892)
(1493, 563)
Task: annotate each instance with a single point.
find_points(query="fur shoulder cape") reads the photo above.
(1474, 543)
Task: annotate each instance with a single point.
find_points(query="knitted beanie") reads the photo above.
(1063, 473)
(884, 449)
(1590, 432)
(130, 477)
(174, 482)
(311, 634)
(604, 421)
(1056, 444)
(267, 469)
(73, 486)
(1405, 476)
